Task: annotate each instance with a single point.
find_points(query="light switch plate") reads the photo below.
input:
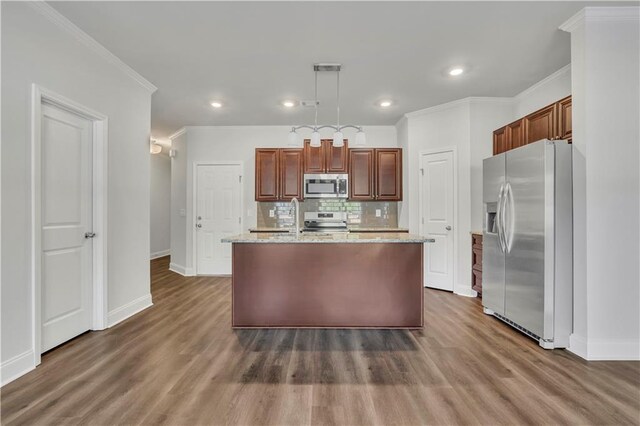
(378, 213)
(272, 213)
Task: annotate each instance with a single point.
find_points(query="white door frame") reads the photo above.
(194, 203)
(454, 152)
(99, 209)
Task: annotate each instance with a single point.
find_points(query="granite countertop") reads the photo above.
(269, 229)
(337, 237)
(376, 229)
(351, 229)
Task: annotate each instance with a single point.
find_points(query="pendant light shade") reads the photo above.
(293, 138)
(338, 139)
(315, 139)
(361, 139)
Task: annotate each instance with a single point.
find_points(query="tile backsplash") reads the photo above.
(359, 213)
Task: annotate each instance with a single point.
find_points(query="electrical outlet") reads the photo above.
(378, 213)
(272, 213)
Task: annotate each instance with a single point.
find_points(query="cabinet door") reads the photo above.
(291, 169)
(336, 158)
(388, 174)
(314, 158)
(361, 162)
(500, 141)
(564, 118)
(540, 124)
(267, 174)
(515, 134)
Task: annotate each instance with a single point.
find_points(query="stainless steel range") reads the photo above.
(325, 222)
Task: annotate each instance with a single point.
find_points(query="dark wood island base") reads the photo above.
(334, 285)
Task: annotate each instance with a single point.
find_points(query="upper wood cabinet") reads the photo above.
(388, 166)
(551, 122)
(515, 134)
(375, 174)
(564, 119)
(500, 141)
(267, 169)
(279, 174)
(540, 124)
(326, 158)
(291, 170)
(361, 174)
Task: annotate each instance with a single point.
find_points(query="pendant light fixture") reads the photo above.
(338, 136)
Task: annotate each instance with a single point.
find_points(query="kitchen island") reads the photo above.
(340, 280)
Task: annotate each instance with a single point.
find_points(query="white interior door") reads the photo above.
(438, 218)
(66, 215)
(218, 215)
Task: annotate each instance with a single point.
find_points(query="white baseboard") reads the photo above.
(605, 349)
(179, 269)
(15, 367)
(578, 345)
(162, 253)
(123, 312)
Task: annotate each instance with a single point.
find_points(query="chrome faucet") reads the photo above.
(295, 206)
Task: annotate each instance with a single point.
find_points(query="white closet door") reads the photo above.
(66, 212)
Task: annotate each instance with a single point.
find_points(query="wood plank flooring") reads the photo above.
(179, 363)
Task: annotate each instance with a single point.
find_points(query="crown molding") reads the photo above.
(437, 108)
(561, 72)
(459, 103)
(601, 14)
(61, 21)
(180, 132)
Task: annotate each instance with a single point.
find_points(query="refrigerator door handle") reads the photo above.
(499, 227)
(508, 213)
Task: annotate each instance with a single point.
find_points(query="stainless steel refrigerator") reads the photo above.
(527, 264)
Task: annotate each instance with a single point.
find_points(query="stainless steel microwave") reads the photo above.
(326, 185)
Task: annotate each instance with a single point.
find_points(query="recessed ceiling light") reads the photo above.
(288, 104)
(456, 71)
(216, 104)
(385, 104)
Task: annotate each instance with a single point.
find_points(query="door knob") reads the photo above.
(89, 234)
(199, 225)
(448, 228)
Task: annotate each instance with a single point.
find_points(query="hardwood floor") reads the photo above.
(179, 363)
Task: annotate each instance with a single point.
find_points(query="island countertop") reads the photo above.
(337, 237)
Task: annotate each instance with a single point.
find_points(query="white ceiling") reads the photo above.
(252, 55)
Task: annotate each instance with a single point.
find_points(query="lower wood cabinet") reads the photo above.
(279, 174)
(476, 262)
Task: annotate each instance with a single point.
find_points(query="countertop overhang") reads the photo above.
(338, 237)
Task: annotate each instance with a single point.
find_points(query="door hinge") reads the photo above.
(240, 178)
(422, 172)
